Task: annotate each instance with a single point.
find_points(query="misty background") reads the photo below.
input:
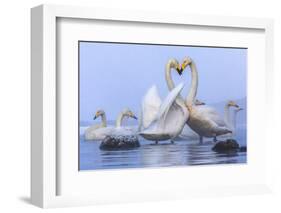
(114, 76)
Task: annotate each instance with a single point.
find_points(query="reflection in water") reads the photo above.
(163, 154)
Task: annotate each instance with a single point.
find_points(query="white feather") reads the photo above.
(169, 119)
(211, 113)
(167, 103)
(150, 106)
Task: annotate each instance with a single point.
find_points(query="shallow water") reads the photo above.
(181, 153)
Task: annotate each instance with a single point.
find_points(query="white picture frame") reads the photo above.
(44, 150)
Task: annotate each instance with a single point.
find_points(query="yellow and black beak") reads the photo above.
(179, 70)
(202, 103)
(135, 117)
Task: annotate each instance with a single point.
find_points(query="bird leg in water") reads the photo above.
(156, 142)
(172, 142)
(215, 139)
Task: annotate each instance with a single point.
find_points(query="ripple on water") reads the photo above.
(164, 154)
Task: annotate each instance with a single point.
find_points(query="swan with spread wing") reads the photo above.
(163, 120)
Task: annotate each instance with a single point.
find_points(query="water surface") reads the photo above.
(164, 154)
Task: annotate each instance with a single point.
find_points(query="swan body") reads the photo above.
(229, 120)
(168, 120)
(163, 120)
(204, 120)
(97, 133)
(187, 133)
(121, 131)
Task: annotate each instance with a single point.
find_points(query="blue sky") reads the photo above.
(114, 76)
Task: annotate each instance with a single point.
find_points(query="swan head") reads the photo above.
(186, 62)
(198, 103)
(239, 109)
(129, 113)
(99, 113)
(173, 63)
(232, 104)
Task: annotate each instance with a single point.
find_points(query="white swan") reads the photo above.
(188, 133)
(230, 120)
(227, 118)
(204, 120)
(234, 117)
(100, 131)
(163, 120)
(120, 130)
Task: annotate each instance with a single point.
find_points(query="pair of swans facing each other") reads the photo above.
(165, 120)
(100, 131)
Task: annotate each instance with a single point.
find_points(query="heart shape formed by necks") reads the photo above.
(186, 62)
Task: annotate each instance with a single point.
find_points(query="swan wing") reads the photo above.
(168, 102)
(150, 106)
(123, 131)
(212, 114)
(94, 133)
(170, 118)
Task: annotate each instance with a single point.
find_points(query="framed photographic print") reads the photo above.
(148, 106)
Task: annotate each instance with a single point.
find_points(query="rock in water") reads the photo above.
(229, 145)
(119, 142)
(243, 149)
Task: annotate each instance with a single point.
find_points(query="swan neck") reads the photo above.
(194, 85)
(234, 118)
(226, 114)
(168, 76)
(103, 119)
(119, 119)
(169, 80)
